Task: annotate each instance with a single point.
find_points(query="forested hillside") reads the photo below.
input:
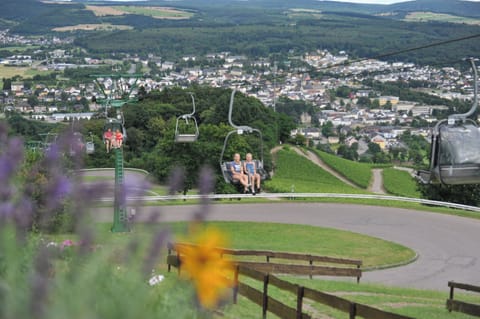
(357, 34)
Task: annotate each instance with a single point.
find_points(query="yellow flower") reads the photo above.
(204, 265)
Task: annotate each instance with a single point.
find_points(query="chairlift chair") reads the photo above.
(455, 149)
(48, 140)
(78, 143)
(114, 125)
(90, 145)
(225, 165)
(187, 137)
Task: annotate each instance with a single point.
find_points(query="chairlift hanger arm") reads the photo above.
(100, 88)
(474, 107)
(225, 145)
(230, 111)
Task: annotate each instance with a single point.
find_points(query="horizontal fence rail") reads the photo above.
(277, 254)
(293, 269)
(299, 196)
(460, 306)
(272, 305)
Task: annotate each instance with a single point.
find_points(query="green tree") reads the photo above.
(7, 84)
(328, 129)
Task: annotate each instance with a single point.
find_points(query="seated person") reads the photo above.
(236, 169)
(250, 169)
(108, 139)
(118, 138)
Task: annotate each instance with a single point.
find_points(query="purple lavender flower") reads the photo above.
(156, 246)
(176, 180)
(206, 185)
(40, 283)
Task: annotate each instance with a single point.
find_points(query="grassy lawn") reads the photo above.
(294, 172)
(358, 173)
(308, 239)
(25, 72)
(317, 240)
(410, 302)
(400, 183)
(322, 241)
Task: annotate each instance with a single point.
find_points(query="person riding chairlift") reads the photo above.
(236, 169)
(250, 169)
(118, 139)
(108, 138)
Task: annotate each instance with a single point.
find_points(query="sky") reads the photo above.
(379, 1)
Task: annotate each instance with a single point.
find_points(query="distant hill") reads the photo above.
(33, 16)
(454, 7)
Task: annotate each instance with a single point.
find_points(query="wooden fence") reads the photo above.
(460, 306)
(270, 304)
(292, 269)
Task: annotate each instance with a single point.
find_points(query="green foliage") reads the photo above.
(461, 194)
(296, 173)
(151, 129)
(400, 183)
(358, 173)
(294, 109)
(58, 282)
(29, 130)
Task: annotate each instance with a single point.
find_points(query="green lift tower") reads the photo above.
(117, 90)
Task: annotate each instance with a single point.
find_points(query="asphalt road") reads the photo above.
(448, 246)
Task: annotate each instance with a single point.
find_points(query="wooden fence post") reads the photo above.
(235, 283)
(452, 287)
(179, 263)
(358, 277)
(353, 310)
(265, 296)
(300, 294)
(311, 264)
(169, 253)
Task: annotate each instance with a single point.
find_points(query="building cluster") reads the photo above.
(258, 77)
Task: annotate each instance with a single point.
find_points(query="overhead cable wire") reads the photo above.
(383, 55)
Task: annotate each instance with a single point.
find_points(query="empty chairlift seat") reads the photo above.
(459, 154)
(186, 127)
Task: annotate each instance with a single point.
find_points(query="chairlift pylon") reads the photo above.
(187, 137)
(239, 129)
(455, 147)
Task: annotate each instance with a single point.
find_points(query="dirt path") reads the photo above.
(377, 183)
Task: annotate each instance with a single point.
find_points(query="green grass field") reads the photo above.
(25, 72)
(156, 12)
(308, 239)
(358, 173)
(431, 16)
(294, 172)
(400, 183)
(20, 48)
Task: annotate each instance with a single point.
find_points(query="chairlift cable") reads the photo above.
(383, 55)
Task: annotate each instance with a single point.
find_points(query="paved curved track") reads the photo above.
(448, 246)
